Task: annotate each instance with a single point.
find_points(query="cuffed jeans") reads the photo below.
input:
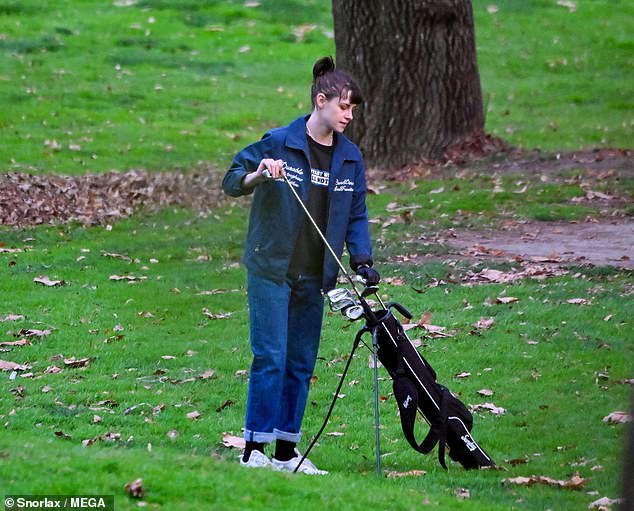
(286, 319)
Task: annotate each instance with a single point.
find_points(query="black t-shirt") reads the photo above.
(308, 254)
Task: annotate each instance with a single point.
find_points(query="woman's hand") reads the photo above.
(267, 169)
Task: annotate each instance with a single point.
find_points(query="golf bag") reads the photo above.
(415, 387)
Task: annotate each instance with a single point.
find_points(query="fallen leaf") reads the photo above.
(575, 482)
(484, 323)
(300, 31)
(12, 317)
(33, 332)
(135, 489)
(463, 374)
(106, 437)
(211, 315)
(571, 6)
(518, 461)
(224, 405)
(507, 299)
(604, 503)
(578, 301)
(394, 281)
(462, 493)
(209, 373)
(116, 256)
(436, 331)
(45, 281)
(114, 338)
(335, 433)
(212, 292)
(496, 276)
(6, 365)
(425, 318)
(76, 363)
(409, 473)
(129, 278)
(495, 410)
(193, 415)
(485, 392)
(21, 342)
(233, 441)
(617, 418)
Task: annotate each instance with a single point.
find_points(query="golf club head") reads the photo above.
(339, 299)
(370, 290)
(353, 312)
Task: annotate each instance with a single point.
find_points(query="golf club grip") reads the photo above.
(402, 310)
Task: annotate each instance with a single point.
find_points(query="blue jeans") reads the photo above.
(286, 320)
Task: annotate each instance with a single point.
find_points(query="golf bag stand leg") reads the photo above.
(377, 446)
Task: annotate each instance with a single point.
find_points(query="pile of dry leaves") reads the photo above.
(27, 199)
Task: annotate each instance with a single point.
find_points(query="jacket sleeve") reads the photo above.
(358, 234)
(245, 162)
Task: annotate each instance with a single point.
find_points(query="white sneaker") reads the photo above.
(256, 460)
(306, 467)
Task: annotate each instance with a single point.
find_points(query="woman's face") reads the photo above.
(335, 113)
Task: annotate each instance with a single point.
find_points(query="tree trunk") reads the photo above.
(416, 63)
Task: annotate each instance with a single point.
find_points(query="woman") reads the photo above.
(288, 266)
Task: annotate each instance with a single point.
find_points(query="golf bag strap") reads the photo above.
(406, 396)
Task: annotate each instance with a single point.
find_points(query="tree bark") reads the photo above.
(416, 63)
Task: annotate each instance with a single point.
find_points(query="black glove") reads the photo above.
(368, 273)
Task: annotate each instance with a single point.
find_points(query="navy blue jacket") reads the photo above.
(276, 216)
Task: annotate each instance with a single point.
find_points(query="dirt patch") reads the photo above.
(598, 243)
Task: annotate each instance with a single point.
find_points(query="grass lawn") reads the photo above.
(150, 324)
(163, 84)
(558, 369)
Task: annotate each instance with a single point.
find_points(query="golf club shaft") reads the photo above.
(323, 238)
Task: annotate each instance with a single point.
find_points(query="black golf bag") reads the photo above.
(415, 385)
(416, 388)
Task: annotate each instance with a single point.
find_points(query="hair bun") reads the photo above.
(322, 66)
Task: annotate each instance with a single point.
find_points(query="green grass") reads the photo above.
(556, 79)
(555, 405)
(90, 86)
(156, 85)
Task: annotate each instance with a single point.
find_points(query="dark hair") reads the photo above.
(333, 82)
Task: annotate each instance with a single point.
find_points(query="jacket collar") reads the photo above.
(344, 148)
